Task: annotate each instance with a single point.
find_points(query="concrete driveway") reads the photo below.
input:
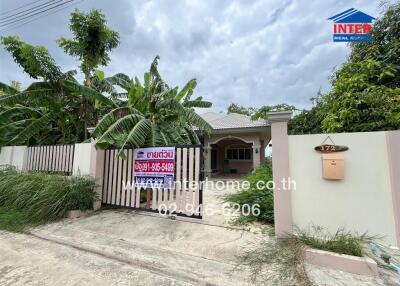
(119, 247)
(123, 248)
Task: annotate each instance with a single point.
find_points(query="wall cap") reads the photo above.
(279, 116)
(342, 262)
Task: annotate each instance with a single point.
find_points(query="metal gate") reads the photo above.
(185, 199)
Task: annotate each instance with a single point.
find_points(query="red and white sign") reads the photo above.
(155, 167)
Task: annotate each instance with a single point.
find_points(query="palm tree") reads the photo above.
(153, 114)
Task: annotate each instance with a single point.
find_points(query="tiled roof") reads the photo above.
(232, 120)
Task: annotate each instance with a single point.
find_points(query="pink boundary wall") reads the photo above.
(280, 170)
(283, 201)
(96, 170)
(393, 146)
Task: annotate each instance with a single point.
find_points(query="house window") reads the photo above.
(238, 154)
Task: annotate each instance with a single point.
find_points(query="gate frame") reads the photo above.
(163, 213)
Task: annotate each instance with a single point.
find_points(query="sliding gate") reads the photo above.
(185, 198)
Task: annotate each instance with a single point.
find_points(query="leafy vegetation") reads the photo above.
(28, 198)
(365, 93)
(261, 112)
(92, 43)
(153, 115)
(261, 195)
(57, 109)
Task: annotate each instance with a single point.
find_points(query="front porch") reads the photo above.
(236, 145)
(235, 154)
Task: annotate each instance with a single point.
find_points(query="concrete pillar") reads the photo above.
(393, 143)
(256, 154)
(96, 171)
(207, 157)
(82, 159)
(262, 152)
(280, 169)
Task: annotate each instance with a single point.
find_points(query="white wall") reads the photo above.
(5, 155)
(13, 155)
(361, 202)
(82, 159)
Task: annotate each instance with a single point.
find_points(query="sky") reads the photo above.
(252, 53)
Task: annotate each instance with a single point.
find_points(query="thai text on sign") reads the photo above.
(155, 167)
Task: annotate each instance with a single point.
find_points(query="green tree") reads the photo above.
(365, 93)
(258, 113)
(262, 112)
(239, 109)
(153, 114)
(364, 98)
(308, 121)
(92, 42)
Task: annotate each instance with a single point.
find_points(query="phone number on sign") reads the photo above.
(167, 167)
(228, 209)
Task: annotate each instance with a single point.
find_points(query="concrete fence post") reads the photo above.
(256, 154)
(280, 169)
(97, 170)
(393, 146)
(207, 158)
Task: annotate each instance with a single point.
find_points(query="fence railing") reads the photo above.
(51, 158)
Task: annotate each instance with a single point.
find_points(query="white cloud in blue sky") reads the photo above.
(247, 52)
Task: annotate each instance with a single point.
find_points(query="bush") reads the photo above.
(42, 196)
(256, 195)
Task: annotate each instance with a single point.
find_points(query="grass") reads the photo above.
(28, 199)
(16, 220)
(282, 260)
(263, 196)
(342, 241)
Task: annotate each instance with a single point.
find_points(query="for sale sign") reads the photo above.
(155, 167)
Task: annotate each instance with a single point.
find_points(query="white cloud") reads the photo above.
(248, 52)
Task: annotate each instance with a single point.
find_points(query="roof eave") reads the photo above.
(239, 130)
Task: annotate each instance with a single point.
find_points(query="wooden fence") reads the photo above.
(51, 158)
(184, 199)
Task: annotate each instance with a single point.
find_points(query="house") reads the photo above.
(236, 144)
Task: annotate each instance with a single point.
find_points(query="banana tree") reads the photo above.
(153, 113)
(48, 111)
(45, 113)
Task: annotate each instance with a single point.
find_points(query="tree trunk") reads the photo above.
(86, 83)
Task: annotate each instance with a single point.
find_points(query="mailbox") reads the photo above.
(333, 166)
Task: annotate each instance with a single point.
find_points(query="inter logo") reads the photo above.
(352, 26)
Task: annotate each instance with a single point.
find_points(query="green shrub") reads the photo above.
(44, 197)
(256, 195)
